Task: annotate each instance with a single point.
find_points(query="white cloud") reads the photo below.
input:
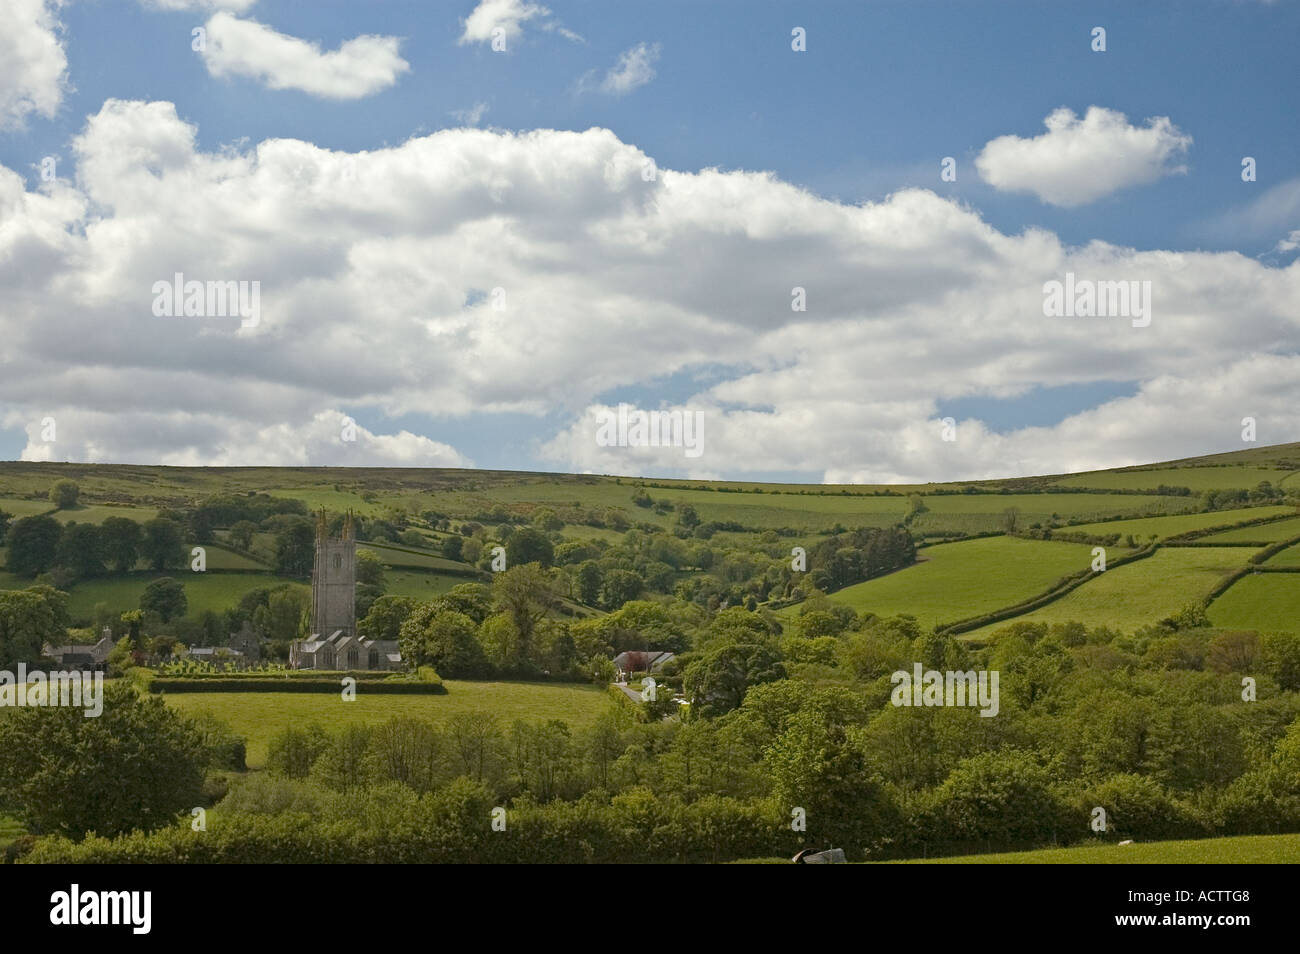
(634, 69)
(1078, 161)
(359, 67)
(509, 16)
(201, 6)
(1290, 243)
(33, 66)
(377, 270)
(471, 116)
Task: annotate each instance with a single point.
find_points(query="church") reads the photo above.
(334, 643)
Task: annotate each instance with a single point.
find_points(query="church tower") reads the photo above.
(333, 580)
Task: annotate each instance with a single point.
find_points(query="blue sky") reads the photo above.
(882, 94)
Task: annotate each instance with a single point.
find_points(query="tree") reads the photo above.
(370, 569)
(163, 545)
(28, 619)
(5, 519)
(137, 766)
(120, 539)
(166, 597)
(81, 550)
(590, 579)
(436, 636)
(452, 547)
(1010, 519)
(64, 494)
(529, 545)
(281, 618)
(385, 618)
(526, 593)
(716, 682)
(295, 548)
(120, 658)
(688, 516)
(241, 534)
(619, 587)
(33, 545)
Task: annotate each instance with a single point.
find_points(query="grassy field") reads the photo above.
(1245, 849)
(1138, 593)
(1199, 479)
(260, 715)
(958, 580)
(1265, 601)
(1162, 527)
(204, 591)
(1288, 557)
(1262, 533)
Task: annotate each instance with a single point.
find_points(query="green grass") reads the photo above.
(1288, 557)
(98, 513)
(258, 716)
(1244, 849)
(1263, 533)
(1138, 593)
(1265, 601)
(959, 580)
(10, 828)
(1162, 527)
(1197, 478)
(420, 585)
(204, 591)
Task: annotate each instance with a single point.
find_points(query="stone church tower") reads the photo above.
(333, 580)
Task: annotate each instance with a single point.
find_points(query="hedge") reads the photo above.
(389, 686)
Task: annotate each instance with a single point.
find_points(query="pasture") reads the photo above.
(258, 716)
(959, 580)
(1137, 593)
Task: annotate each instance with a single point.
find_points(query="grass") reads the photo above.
(204, 591)
(258, 716)
(1162, 527)
(1197, 478)
(1263, 533)
(1288, 557)
(959, 580)
(1267, 601)
(1244, 849)
(1138, 593)
(10, 829)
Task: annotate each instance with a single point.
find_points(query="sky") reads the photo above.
(825, 232)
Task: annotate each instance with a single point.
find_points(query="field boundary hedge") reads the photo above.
(1071, 583)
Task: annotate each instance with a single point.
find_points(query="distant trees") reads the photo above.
(28, 619)
(81, 550)
(64, 494)
(33, 545)
(529, 545)
(162, 544)
(120, 539)
(166, 597)
(295, 547)
(241, 534)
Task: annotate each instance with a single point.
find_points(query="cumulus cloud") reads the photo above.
(509, 16)
(202, 6)
(359, 67)
(471, 273)
(1078, 161)
(634, 69)
(33, 66)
